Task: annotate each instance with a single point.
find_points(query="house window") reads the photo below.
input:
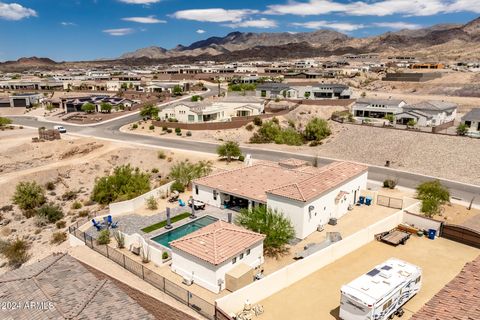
(234, 260)
(248, 252)
(387, 305)
(196, 189)
(241, 256)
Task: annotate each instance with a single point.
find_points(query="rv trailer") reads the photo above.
(380, 293)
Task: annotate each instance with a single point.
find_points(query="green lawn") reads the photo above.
(163, 223)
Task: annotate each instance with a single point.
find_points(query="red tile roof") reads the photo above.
(289, 178)
(458, 300)
(217, 242)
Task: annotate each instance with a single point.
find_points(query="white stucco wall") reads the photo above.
(208, 275)
(205, 194)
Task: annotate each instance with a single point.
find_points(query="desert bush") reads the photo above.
(60, 224)
(28, 196)
(317, 129)
(390, 183)
(151, 203)
(124, 184)
(164, 128)
(178, 130)
(50, 186)
(76, 205)
(70, 195)
(88, 202)
(103, 237)
(58, 237)
(83, 213)
(161, 154)
(6, 208)
(152, 127)
(169, 131)
(241, 158)
(16, 252)
(51, 212)
(154, 170)
(189, 133)
(177, 186)
(5, 121)
(120, 239)
(134, 126)
(257, 121)
(165, 255)
(249, 127)
(40, 222)
(462, 129)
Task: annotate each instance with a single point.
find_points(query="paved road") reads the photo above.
(459, 191)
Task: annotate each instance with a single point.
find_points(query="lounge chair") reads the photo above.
(97, 225)
(181, 203)
(173, 198)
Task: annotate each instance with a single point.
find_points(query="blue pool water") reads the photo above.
(165, 238)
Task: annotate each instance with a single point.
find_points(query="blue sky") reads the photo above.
(90, 29)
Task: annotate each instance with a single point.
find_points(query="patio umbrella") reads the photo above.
(169, 225)
(192, 216)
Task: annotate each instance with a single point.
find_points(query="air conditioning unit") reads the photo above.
(187, 282)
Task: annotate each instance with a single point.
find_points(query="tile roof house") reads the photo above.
(299, 91)
(307, 195)
(459, 299)
(61, 288)
(206, 255)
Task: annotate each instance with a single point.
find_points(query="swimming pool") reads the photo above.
(165, 238)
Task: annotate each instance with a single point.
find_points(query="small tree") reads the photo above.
(411, 123)
(103, 237)
(16, 252)
(433, 195)
(462, 129)
(105, 107)
(317, 129)
(229, 150)
(88, 107)
(196, 98)
(177, 90)
(5, 121)
(307, 95)
(28, 196)
(51, 212)
(277, 228)
(150, 111)
(390, 118)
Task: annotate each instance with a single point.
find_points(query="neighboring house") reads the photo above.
(307, 195)
(300, 92)
(218, 111)
(428, 113)
(26, 100)
(425, 113)
(472, 120)
(377, 108)
(74, 104)
(207, 255)
(60, 287)
(458, 299)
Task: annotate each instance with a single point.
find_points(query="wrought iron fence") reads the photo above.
(193, 301)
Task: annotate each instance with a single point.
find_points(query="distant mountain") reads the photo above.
(150, 52)
(30, 63)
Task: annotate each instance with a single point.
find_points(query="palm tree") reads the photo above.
(229, 150)
(184, 172)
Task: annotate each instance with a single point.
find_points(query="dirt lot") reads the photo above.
(72, 164)
(318, 295)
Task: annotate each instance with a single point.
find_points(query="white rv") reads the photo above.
(380, 293)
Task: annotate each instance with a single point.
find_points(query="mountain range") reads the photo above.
(439, 42)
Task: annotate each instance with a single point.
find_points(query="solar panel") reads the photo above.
(373, 272)
(386, 267)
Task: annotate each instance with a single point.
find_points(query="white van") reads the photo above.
(60, 129)
(380, 293)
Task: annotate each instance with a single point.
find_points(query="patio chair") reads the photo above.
(181, 203)
(109, 220)
(114, 225)
(97, 225)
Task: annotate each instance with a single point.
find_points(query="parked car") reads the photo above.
(60, 129)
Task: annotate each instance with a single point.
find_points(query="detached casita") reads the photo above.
(307, 195)
(207, 255)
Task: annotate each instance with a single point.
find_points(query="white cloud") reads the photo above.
(67, 24)
(200, 31)
(149, 20)
(140, 1)
(15, 11)
(339, 26)
(374, 8)
(214, 15)
(397, 25)
(260, 23)
(119, 31)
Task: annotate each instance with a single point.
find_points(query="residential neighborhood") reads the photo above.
(267, 160)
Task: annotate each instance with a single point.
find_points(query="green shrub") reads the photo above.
(169, 131)
(185, 171)
(229, 150)
(161, 154)
(134, 126)
(241, 158)
(462, 129)
(70, 195)
(28, 196)
(249, 127)
(289, 137)
(5, 121)
(60, 224)
(83, 213)
(124, 184)
(51, 212)
(165, 255)
(317, 129)
(16, 252)
(257, 121)
(433, 195)
(151, 203)
(164, 128)
(103, 237)
(177, 186)
(58, 237)
(178, 130)
(76, 205)
(179, 134)
(390, 183)
(154, 170)
(275, 120)
(152, 127)
(149, 111)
